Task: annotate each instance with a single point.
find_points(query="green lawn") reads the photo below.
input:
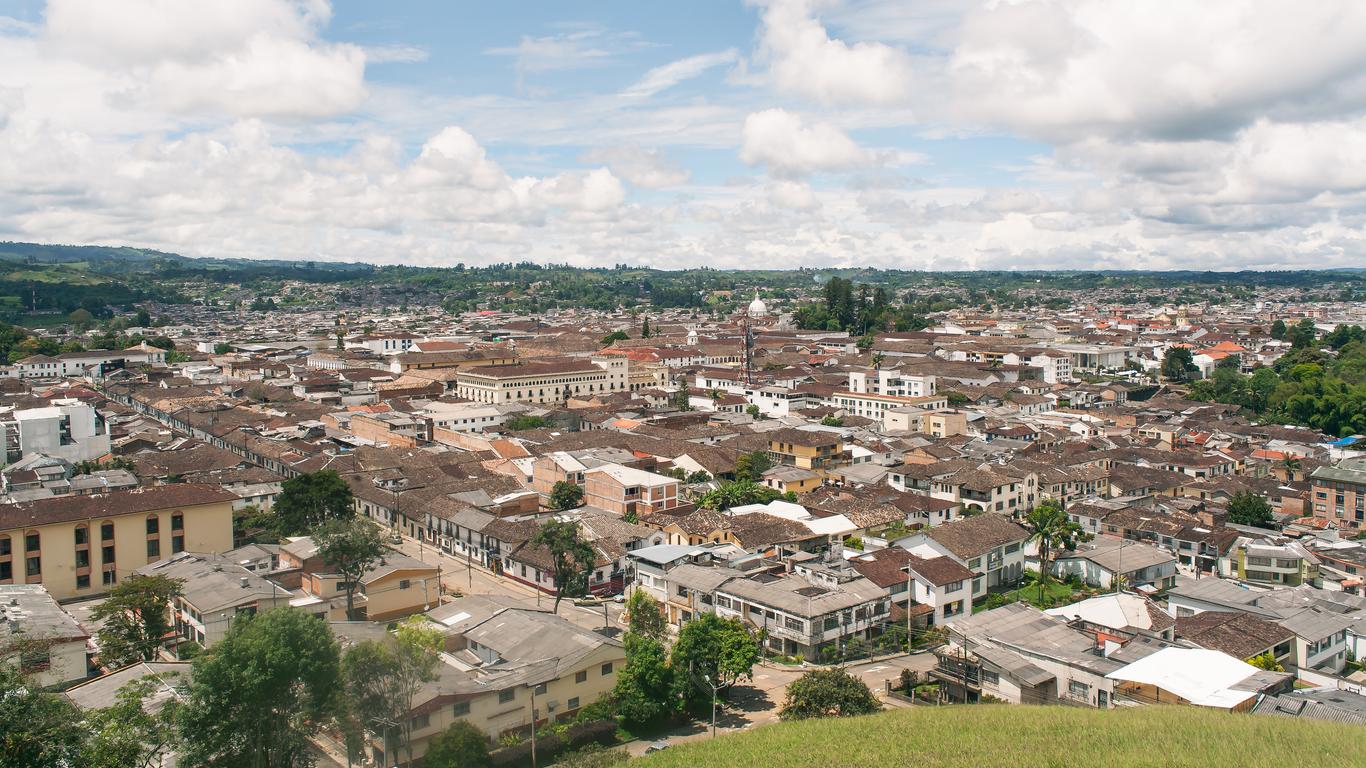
(1030, 737)
(1055, 593)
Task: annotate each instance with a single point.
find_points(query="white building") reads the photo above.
(67, 429)
(544, 382)
(56, 655)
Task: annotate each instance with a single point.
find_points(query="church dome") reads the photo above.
(757, 308)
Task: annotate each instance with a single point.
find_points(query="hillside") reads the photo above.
(1029, 737)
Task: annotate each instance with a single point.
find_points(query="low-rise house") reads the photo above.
(1240, 635)
(1131, 563)
(791, 479)
(931, 590)
(50, 643)
(807, 449)
(1118, 618)
(1024, 656)
(395, 587)
(501, 664)
(1197, 676)
(215, 591)
(991, 546)
(1271, 563)
(627, 491)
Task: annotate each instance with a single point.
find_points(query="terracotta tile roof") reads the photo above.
(63, 509)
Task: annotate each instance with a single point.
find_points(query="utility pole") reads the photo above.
(533, 726)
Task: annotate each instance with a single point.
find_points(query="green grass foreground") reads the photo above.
(1026, 737)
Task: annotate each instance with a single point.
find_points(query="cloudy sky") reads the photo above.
(918, 134)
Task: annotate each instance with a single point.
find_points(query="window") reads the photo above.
(153, 548)
(1078, 690)
(403, 584)
(975, 563)
(460, 708)
(82, 581)
(607, 669)
(82, 558)
(539, 690)
(581, 676)
(421, 721)
(953, 586)
(31, 542)
(178, 522)
(573, 702)
(6, 571)
(33, 566)
(106, 531)
(82, 535)
(153, 524)
(109, 578)
(831, 622)
(506, 696)
(177, 543)
(107, 554)
(796, 625)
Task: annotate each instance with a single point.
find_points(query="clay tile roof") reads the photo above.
(62, 509)
(977, 535)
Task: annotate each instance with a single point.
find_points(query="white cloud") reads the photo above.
(803, 59)
(648, 169)
(796, 195)
(668, 75)
(782, 142)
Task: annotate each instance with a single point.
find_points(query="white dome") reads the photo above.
(757, 308)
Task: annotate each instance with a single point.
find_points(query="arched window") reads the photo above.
(6, 559)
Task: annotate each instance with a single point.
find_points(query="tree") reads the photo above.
(716, 651)
(737, 494)
(1303, 333)
(135, 619)
(349, 547)
(35, 726)
(878, 360)
(753, 411)
(572, 558)
(645, 617)
(1266, 661)
(565, 495)
(680, 398)
(383, 677)
(1278, 329)
(700, 476)
(222, 348)
(307, 501)
(828, 693)
(127, 734)
(256, 695)
(644, 689)
(1051, 529)
(1177, 364)
(461, 745)
(525, 421)
(645, 328)
(1247, 508)
(752, 466)
(614, 337)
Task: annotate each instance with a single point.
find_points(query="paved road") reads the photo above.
(458, 575)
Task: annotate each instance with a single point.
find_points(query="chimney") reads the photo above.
(243, 582)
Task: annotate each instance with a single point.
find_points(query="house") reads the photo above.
(1197, 676)
(215, 591)
(931, 590)
(165, 681)
(1136, 565)
(1024, 656)
(1271, 563)
(991, 546)
(49, 643)
(394, 587)
(501, 663)
(791, 479)
(1240, 635)
(1118, 618)
(78, 546)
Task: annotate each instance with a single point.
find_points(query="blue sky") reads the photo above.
(934, 134)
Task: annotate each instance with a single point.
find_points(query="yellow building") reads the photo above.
(500, 663)
(80, 546)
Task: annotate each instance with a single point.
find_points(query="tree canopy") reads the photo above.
(1247, 508)
(828, 693)
(257, 694)
(572, 558)
(461, 745)
(307, 501)
(349, 547)
(713, 650)
(565, 495)
(135, 619)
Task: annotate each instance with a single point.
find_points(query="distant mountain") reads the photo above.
(101, 258)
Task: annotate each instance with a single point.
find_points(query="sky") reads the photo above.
(906, 134)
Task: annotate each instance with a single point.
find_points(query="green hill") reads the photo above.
(1030, 737)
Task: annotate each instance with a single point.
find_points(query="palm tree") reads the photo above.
(878, 360)
(1292, 465)
(1051, 529)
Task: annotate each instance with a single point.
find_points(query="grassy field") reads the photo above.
(1031, 737)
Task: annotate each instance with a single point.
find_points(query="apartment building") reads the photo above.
(1339, 493)
(80, 546)
(552, 381)
(807, 449)
(66, 429)
(1271, 563)
(892, 382)
(875, 406)
(629, 491)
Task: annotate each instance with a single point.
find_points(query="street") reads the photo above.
(458, 575)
